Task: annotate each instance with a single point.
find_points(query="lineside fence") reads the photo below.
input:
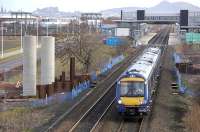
(107, 67)
(61, 97)
(78, 89)
(182, 87)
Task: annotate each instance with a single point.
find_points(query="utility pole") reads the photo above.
(2, 39)
(21, 37)
(37, 33)
(47, 27)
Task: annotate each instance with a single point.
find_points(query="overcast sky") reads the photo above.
(82, 5)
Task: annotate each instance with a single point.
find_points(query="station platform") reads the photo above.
(145, 39)
(174, 39)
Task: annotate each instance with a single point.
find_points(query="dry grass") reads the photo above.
(192, 118)
(99, 57)
(182, 48)
(11, 42)
(22, 119)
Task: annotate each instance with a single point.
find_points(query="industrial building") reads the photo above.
(133, 24)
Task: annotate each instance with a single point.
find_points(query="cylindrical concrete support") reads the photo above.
(29, 66)
(47, 60)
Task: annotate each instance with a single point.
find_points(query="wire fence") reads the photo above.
(76, 90)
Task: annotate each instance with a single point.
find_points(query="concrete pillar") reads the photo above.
(47, 60)
(29, 66)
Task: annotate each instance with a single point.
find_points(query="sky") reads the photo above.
(82, 5)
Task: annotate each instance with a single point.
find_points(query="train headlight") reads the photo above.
(142, 102)
(119, 102)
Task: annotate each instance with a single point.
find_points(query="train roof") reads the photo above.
(145, 63)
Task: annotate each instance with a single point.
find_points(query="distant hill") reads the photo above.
(54, 12)
(172, 7)
(163, 7)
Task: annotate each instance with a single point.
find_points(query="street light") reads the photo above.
(2, 40)
(21, 38)
(37, 33)
(57, 26)
(60, 25)
(48, 27)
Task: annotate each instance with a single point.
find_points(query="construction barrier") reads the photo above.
(108, 66)
(61, 97)
(76, 90)
(80, 88)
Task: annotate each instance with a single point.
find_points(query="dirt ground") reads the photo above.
(174, 112)
(192, 118)
(169, 109)
(192, 82)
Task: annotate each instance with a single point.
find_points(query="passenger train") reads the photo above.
(135, 86)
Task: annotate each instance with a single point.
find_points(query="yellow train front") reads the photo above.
(131, 94)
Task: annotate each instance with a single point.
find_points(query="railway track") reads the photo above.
(90, 120)
(87, 115)
(130, 125)
(136, 125)
(65, 122)
(164, 41)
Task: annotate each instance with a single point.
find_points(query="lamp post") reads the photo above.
(47, 27)
(37, 33)
(57, 26)
(21, 37)
(2, 40)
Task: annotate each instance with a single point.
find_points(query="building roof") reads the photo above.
(108, 26)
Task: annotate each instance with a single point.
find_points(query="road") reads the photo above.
(12, 63)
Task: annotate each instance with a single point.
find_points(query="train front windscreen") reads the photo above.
(132, 89)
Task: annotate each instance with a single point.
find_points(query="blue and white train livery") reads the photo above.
(135, 86)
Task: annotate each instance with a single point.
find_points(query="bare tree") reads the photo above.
(81, 44)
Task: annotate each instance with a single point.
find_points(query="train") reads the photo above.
(135, 86)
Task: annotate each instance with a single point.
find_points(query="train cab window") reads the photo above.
(132, 89)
